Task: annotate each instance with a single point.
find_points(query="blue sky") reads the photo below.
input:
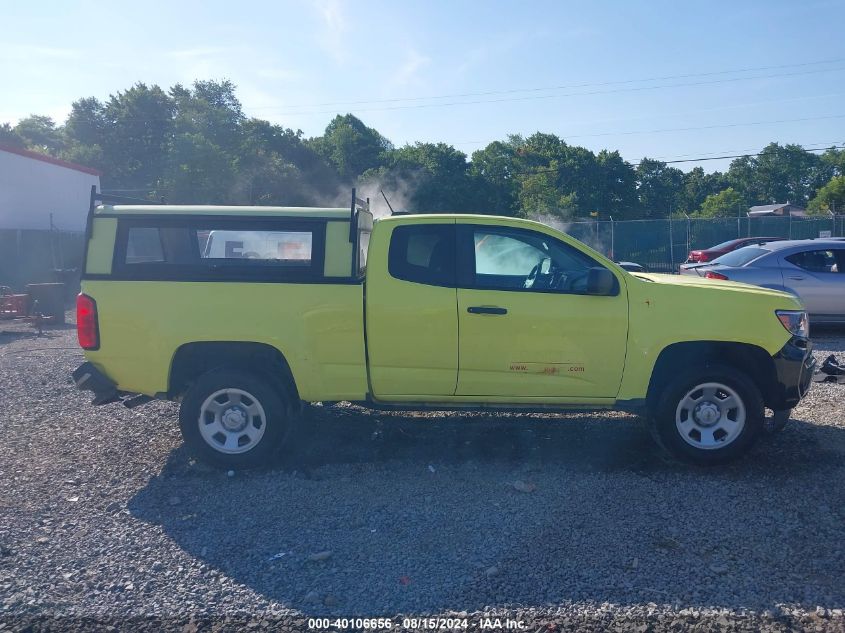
(572, 68)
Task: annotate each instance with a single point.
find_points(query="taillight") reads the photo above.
(87, 328)
(704, 257)
(713, 275)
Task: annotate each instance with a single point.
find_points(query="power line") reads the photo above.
(548, 88)
(558, 96)
(549, 170)
(821, 146)
(695, 160)
(685, 129)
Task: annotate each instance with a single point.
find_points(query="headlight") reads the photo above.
(795, 322)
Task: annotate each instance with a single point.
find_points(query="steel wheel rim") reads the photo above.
(232, 421)
(710, 416)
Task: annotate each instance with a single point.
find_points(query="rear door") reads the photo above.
(527, 326)
(411, 310)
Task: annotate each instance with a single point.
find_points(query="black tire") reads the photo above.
(275, 421)
(670, 437)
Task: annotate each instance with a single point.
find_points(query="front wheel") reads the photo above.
(233, 419)
(709, 415)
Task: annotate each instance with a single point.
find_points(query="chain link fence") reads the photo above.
(662, 245)
(33, 256)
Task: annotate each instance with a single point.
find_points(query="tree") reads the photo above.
(496, 169)
(725, 204)
(830, 198)
(136, 137)
(351, 147)
(8, 136)
(427, 178)
(617, 186)
(274, 166)
(40, 134)
(779, 174)
(697, 186)
(658, 188)
(835, 160)
(540, 195)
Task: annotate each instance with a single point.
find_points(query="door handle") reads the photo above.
(796, 277)
(487, 310)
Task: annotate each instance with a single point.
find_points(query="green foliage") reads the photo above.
(193, 144)
(830, 198)
(351, 147)
(659, 187)
(779, 174)
(725, 204)
(8, 136)
(40, 133)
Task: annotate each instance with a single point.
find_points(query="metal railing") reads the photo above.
(662, 245)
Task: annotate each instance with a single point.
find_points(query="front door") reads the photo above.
(412, 321)
(527, 326)
(818, 278)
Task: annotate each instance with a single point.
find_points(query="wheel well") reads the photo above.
(754, 361)
(194, 359)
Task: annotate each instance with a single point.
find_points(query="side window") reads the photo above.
(513, 259)
(158, 245)
(144, 246)
(224, 249)
(278, 248)
(815, 261)
(423, 253)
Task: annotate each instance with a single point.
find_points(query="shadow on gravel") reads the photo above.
(25, 331)
(420, 515)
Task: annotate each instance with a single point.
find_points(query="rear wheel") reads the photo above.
(709, 415)
(234, 419)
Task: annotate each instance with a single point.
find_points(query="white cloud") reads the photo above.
(409, 71)
(334, 25)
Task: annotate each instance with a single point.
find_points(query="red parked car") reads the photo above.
(709, 254)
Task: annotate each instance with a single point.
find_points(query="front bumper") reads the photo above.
(794, 368)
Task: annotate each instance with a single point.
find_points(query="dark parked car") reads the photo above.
(709, 254)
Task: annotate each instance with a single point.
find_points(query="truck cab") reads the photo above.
(245, 314)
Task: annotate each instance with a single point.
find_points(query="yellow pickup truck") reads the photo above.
(244, 314)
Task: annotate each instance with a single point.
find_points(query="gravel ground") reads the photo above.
(574, 522)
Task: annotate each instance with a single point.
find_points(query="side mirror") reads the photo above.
(600, 281)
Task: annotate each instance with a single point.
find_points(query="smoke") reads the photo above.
(399, 191)
(592, 233)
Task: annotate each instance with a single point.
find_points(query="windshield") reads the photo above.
(741, 256)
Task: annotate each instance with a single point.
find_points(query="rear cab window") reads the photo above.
(274, 249)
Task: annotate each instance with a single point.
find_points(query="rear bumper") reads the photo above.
(89, 378)
(794, 367)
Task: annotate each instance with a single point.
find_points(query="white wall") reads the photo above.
(30, 190)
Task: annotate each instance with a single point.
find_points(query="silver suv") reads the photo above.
(814, 270)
